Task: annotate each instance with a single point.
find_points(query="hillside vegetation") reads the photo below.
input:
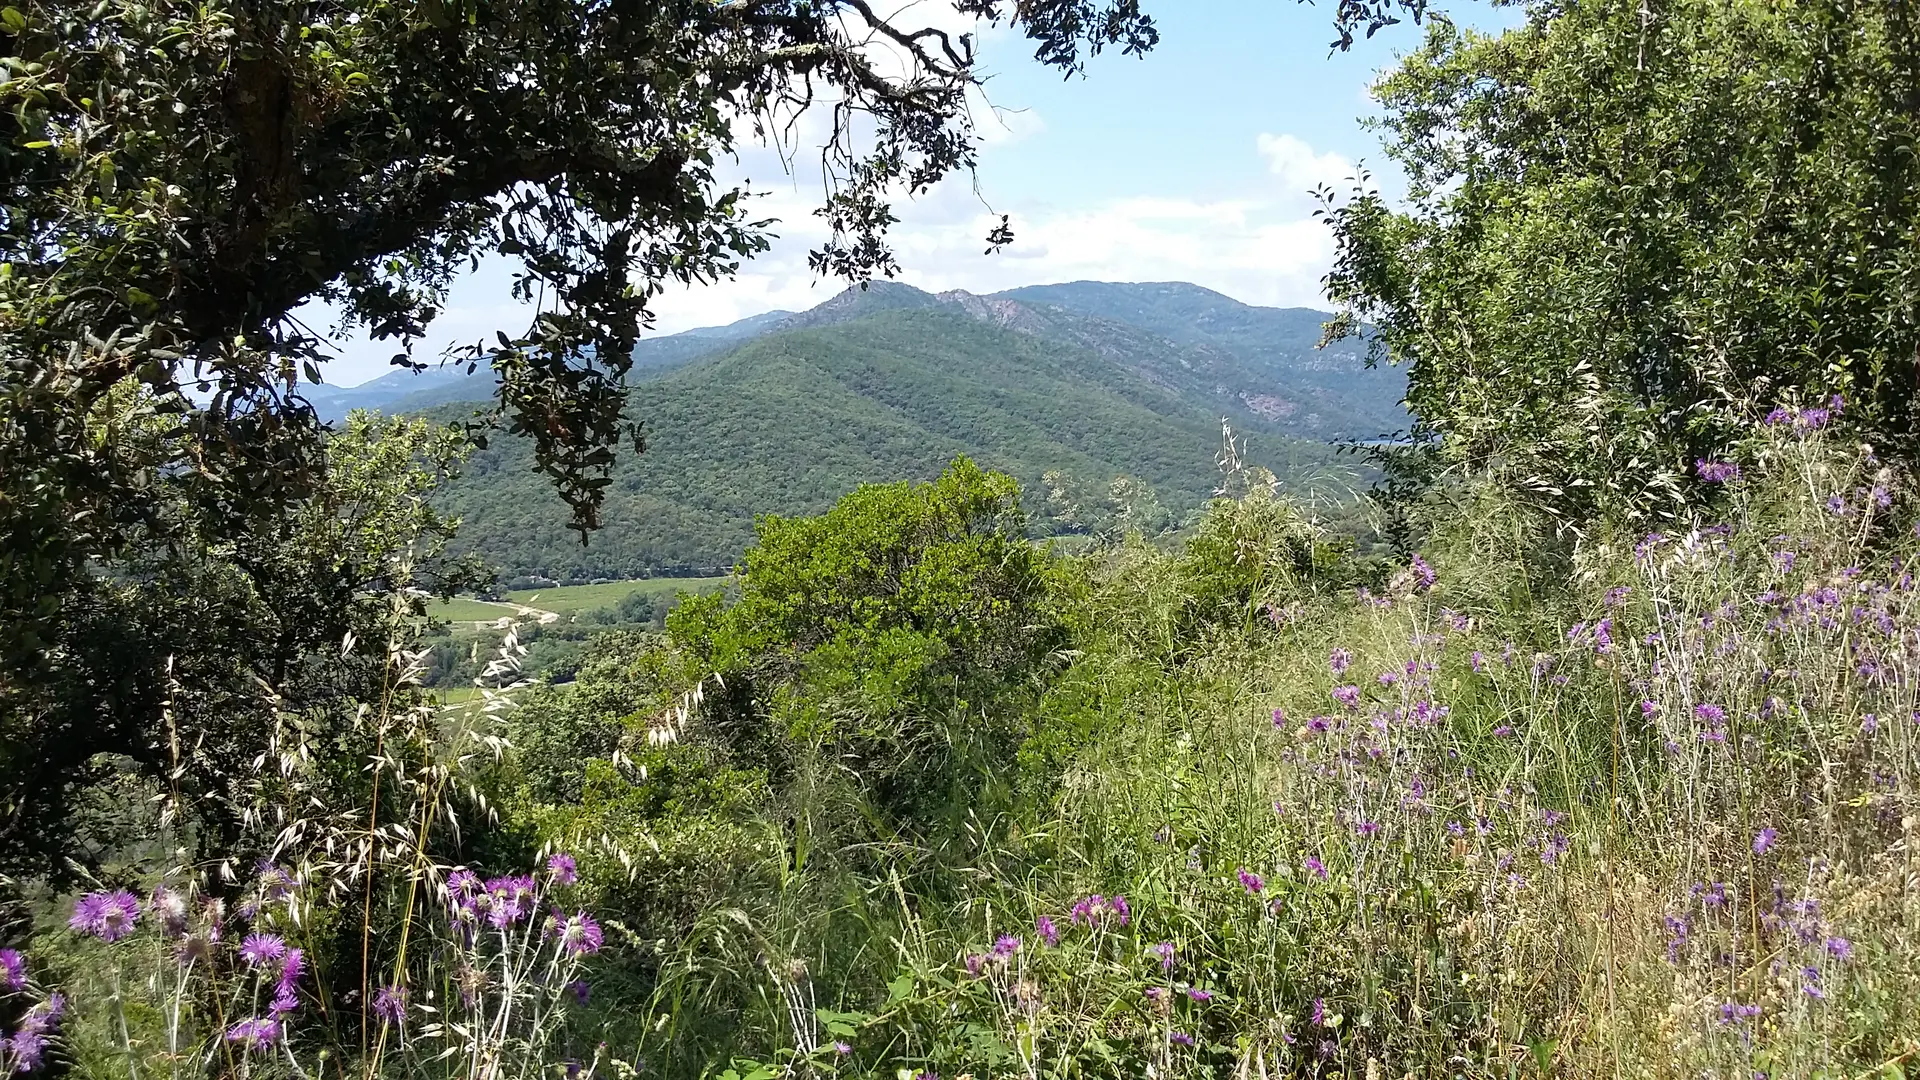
(890, 383)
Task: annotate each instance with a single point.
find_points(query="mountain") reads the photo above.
(786, 412)
(409, 391)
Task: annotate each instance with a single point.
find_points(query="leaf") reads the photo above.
(15, 21)
(900, 988)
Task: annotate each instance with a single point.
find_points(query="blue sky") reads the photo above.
(1192, 163)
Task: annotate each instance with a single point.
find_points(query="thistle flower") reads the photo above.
(170, 907)
(13, 970)
(390, 1004)
(1423, 574)
(1348, 696)
(1155, 994)
(580, 990)
(563, 868)
(1733, 1012)
(1048, 932)
(1194, 993)
(1165, 951)
(1712, 714)
(1839, 948)
(1005, 946)
(1319, 1017)
(1250, 881)
(1339, 660)
(261, 949)
(255, 1033)
(462, 886)
(509, 899)
(975, 964)
(1180, 1038)
(1279, 717)
(1716, 472)
(579, 935)
(29, 1043)
(1765, 840)
(107, 916)
(1316, 867)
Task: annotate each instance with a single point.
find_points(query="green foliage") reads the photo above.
(789, 423)
(1632, 230)
(890, 634)
(159, 666)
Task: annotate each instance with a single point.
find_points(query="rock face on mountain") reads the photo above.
(784, 413)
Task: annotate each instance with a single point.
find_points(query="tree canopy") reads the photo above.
(1632, 229)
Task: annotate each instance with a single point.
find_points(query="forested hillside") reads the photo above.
(789, 422)
(892, 382)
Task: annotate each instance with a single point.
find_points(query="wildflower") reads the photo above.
(1479, 662)
(1765, 839)
(580, 991)
(1316, 867)
(1048, 932)
(579, 935)
(1320, 724)
(462, 886)
(1319, 1012)
(29, 1043)
(1733, 1012)
(1005, 946)
(562, 867)
(13, 970)
(1194, 993)
(1165, 951)
(1339, 660)
(1279, 718)
(1839, 948)
(1347, 695)
(255, 1033)
(1180, 1038)
(170, 908)
(1712, 714)
(390, 1004)
(1121, 911)
(1456, 830)
(1367, 828)
(509, 899)
(107, 916)
(1810, 983)
(1504, 731)
(260, 949)
(1423, 575)
(841, 1049)
(1250, 881)
(1155, 994)
(1716, 472)
(975, 964)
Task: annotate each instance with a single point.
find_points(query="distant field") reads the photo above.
(462, 609)
(573, 599)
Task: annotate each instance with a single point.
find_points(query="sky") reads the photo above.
(1192, 163)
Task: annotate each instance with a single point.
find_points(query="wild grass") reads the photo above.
(570, 600)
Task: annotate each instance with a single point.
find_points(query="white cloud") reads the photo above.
(1261, 246)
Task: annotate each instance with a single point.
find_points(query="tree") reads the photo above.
(169, 674)
(1632, 228)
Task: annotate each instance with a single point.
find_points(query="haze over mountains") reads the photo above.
(784, 412)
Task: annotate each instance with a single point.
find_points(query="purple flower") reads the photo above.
(1005, 946)
(579, 935)
(1479, 661)
(841, 1048)
(1764, 840)
(1504, 731)
(1367, 828)
(1250, 881)
(1810, 982)
(1048, 932)
(1155, 994)
(1716, 472)
(260, 949)
(1423, 575)
(1165, 952)
(1318, 868)
(1194, 993)
(1279, 718)
(1121, 911)
(255, 1033)
(580, 991)
(170, 908)
(975, 963)
(13, 970)
(30, 1042)
(1347, 695)
(1712, 714)
(390, 1004)
(1180, 1038)
(1319, 1018)
(1734, 1013)
(509, 899)
(1339, 660)
(462, 886)
(1839, 948)
(107, 916)
(562, 867)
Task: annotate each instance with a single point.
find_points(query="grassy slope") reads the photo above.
(788, 423)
